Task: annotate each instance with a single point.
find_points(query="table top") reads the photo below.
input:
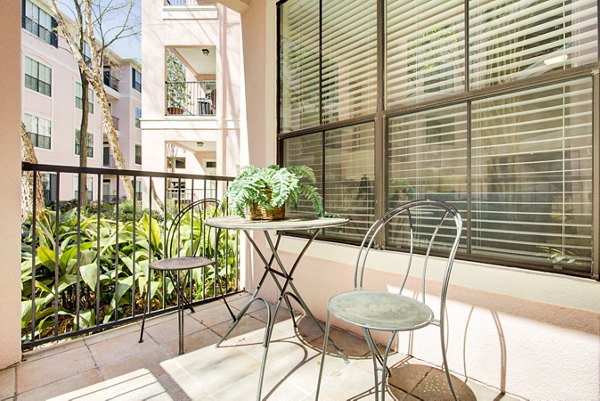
(287, 224)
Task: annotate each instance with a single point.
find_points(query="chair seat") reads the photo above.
(182, 263)
(379, 310)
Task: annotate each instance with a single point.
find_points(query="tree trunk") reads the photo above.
(27, 195)
(83, 137)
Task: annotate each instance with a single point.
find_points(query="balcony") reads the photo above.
(111, 81)
(193, 98)
(114, 363)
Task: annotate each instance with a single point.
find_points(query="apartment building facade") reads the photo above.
(192, 101)
(52, 106)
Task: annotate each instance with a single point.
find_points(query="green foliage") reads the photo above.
(272, 187)
(177, 93)
(111, 267)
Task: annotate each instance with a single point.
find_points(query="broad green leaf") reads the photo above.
(89, 274)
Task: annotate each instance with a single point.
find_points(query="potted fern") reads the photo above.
(262, 193)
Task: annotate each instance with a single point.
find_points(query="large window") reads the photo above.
(487, 104)
(39, 130)
(136, 80)
(38, 77)
(40, 23)
(90, 143)
(79, 98)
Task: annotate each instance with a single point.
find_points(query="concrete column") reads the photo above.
(11, 81)
(259, 36)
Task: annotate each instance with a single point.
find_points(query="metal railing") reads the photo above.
(85, 267)
(193, 98)
(111, 81)
(189, 2)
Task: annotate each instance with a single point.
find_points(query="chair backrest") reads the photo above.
(421, 227)
(187, 233)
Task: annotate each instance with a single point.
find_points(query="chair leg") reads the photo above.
(374, 353)
(146, 303)
(325, 339)
(445, 359)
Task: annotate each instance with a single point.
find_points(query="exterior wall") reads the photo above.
(204, 26)
(60, 107)
(66, 118)
(532, 334)
(10, 201)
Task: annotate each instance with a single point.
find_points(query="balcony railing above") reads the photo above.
(111, 81)
(193, 98)
(189, 2)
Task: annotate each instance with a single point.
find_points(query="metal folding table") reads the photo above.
(275, 267)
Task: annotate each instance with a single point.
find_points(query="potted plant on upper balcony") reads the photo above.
(262, 193)
(177, 94)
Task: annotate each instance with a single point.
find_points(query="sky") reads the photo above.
(127, 47)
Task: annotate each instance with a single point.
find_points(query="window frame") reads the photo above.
(381, 116)
(34, 82)
(79, 100)
(35, 136)
(33, 25)
(136, 79)
(90, 145)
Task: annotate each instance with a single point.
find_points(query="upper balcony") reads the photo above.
(190, 9)
(196, 98)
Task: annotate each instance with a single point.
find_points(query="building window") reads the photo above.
(90, 144)
(176, 162)
(138, 153)
(40, 23)
(464, 118)
(49, 186)
(38, 77)
(89, 187)
(138, 117)
(137, 187)
(79, 98)
(39, 130)
(136, 79)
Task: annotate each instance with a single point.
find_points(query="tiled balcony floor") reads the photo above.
(113, 365)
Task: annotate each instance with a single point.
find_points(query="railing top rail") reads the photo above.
(110, 171)
(190, 82)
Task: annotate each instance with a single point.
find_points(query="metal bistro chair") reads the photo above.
(429, 226)
(174, 264)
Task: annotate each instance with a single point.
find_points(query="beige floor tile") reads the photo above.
(212, 316)
(7, 383)
(60, 387)
(246, 325)
(126, 345)
(50, 349)
(43, 371)
(137, 385)
(201, 372)
(112, 333)
(192, 342)
(168, 330)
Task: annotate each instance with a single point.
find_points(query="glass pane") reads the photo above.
(349, 179)
(425, 50)
(532, 175)
(299, 65)
(349, 59)
(427, 159)
(306, 150)
(512, 40)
